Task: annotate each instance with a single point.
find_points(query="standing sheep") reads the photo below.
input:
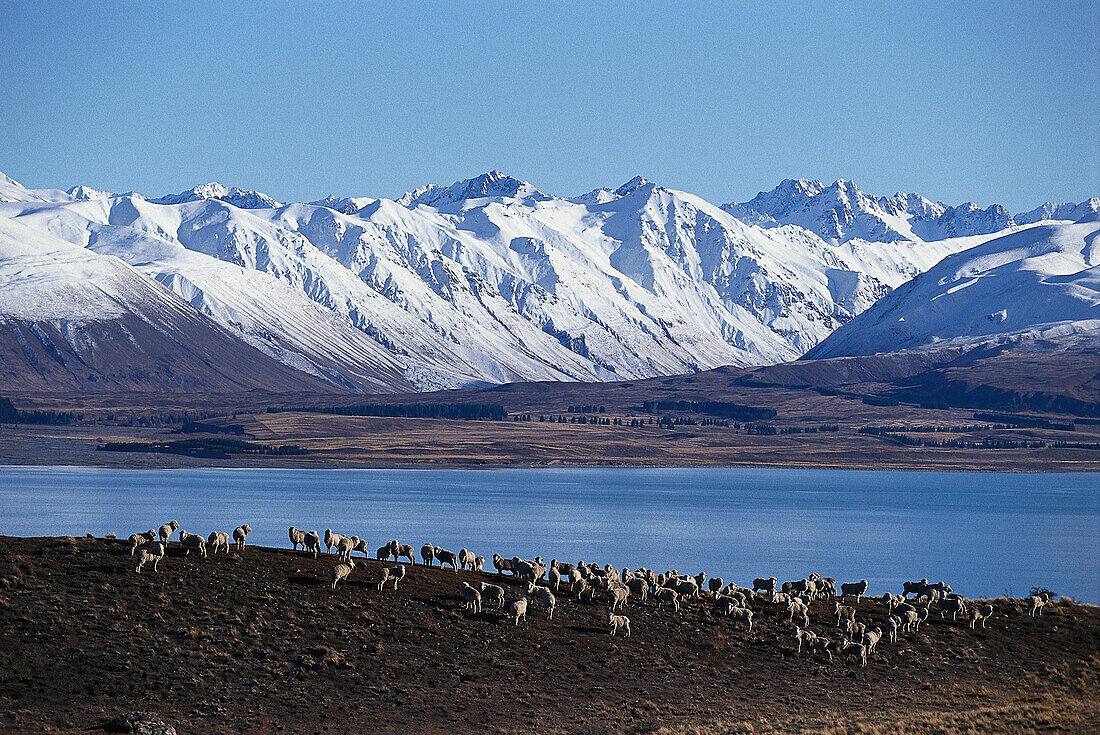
(138, 539)
(427, 553)
(491, 593)
(554, 578)
(465, 558)
(296, 537)
(666, 594)
(191, 541)
(447, 557)
(871, 639)
(844, 613)
(345, 545)
(854, 588)
(856, 650)
(980, 614)
(218, 540)
(518, 609)
(341, 571)
(479, 563)
(404, 551)
(618, 621)
(503, 565)
(472, 597)
(797, 607)
(545, 597)
(391, 574)
(1037, 603)
(764, 585)
(332, 540)
(742, 613)
(953, 605)
(312, 543)
(239, 534)
(152, 551)
(167, 530)
(892, 624)
(714, 584)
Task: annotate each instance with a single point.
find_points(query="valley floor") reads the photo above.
(257, 642)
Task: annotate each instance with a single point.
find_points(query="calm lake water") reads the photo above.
(986, 534)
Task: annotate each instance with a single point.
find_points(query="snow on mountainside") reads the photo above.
(73, 319)
(1043, 281)
(245, 199)
(1067, 211)
(842, 212)
(490, 280)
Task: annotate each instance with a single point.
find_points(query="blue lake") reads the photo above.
(986, 534)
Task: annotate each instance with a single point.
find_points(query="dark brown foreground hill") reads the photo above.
(258, 643)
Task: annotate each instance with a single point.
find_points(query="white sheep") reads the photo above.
(844, 613)
(849, 648)
(240, 533)
(725, 605)
(341, 571)
(667, 595)
(447, 557)
(892, 601)
(545, 597)
(618, 621)
(1037, 603)
(192, 541)
(871, 639)
(554, 577)
(472, 597)
(617, 598)
(518, 609)
(404, 551)
(479, 563)
(465, 558)
(742, 613)
(332, 539)
(312, 543)
(167, 530)
(503, 565)
(797, 607)
(427, 553)
(139, 539)
(892, 624)
(344, 546)
(980, 614)
(491, 593)
(217, 540)
(857, 630)
(151, 551)
(296, 537)
(953, 605)
(391, 574)
(639, 588)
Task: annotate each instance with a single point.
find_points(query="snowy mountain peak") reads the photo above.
(345, 205)
(491, 184)
(242, 198)
(631, 186)
(85, 193)
(1067, 211)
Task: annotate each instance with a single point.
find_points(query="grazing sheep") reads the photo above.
(151, 551)
(742, 613)
(778, 598)
(331, 539)
(391, 574)
(687, 588)
(980, 614)
(871, 639)
(312, 543)
(447, 557)
(384, 553)
(638, 587)
(617, 598)
(583, 588)
(714, 584)
(903, 608)
(666, 594)
(857, 631)
(953, 605)
(724, 605)
(138, 539)
(854, 588)
(218, 540)
(472, 597)
(909, 621)
(849, 648)
(797, 607)
(528, 571)
(465, 558)
(479, 563)
(503, 565)
(826, 586)
(341, 571)
(404, 551)
(297, 537)
(618, 621)
(239, 535)
(192, 541)
(1037, 603)
(914, 588)
(518, 609)
(844, 612)
(491, 593)
(167, 530)
(764, 585)
(427, 553)
(802, 637)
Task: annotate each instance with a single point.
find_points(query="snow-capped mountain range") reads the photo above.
(491, 280)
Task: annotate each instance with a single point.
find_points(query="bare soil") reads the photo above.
(258, 643)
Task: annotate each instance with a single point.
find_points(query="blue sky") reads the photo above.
(987, 103)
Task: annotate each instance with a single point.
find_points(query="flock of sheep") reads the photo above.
(859, 638)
